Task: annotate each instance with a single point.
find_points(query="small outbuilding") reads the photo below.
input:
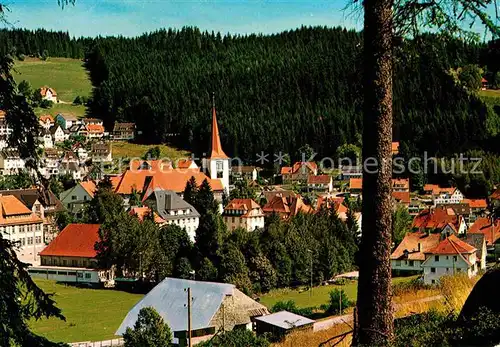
(282, 323)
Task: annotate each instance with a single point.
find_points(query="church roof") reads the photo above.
(217, 152)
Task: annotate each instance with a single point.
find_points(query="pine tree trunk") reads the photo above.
(374, 305)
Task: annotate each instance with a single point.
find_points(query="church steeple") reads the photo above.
(217, 152)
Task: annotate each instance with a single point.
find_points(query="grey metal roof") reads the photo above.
(169, 299)
(285, 320)
(168, 200)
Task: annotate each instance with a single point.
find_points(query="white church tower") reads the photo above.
(218, 162)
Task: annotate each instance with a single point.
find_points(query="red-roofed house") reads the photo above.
(286, 207)
(299, 172)
(410, 253)
(355, 185)
(449, 257)
(48, 93)
(443, 196)
(489, 228)
(243, 213)
(484, 83)
(439, 219)
(73, 247)
(322, 183)
(401, 185)
(402, 198)
(478, 208)
(395, 147)
(46, 121)
(495, 196)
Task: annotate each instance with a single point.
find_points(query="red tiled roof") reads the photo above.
(484, 80)
(76, 240)
(452, 245)
(411, 242)
(319, 179)
(14, 212)
(89, 187)
(329, 202)
(402, 197)
(484, 225)
(184, 163)
(304, 164)
(476, 203)
(141, 212)
(44, 90)
(242, 205)
(286, 170)
(436, 218)
(217, 152)
(355, 183)
(436, 189)
(401, 183)
(95, 128)
(287, 206)
(47, 117)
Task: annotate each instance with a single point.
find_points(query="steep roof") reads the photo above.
(452, 245)
(217, 152)
(246, 205)
(409, 247)
(286, 170)
(67, 116)
(476, 203)
(89, 186)
(142, 212)
(436, 218)
(290, 206)
(319, 179)
(76, 240)
(47, 118)
(185, 163)
(95, 128)
(436, 189)
(285, 320)
(495, 195)
(12, 206)
(45, 90)
(168, 200)
(490, 229)
(335, 202)
(124, 127)
(402, 197)
(168, 298)
(30, 195)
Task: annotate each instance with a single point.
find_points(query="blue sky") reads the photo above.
(132, 17)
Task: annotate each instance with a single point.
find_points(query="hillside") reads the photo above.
(67, 76)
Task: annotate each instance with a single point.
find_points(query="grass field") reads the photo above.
(133, 150)
(320, 295)
(91, 314)
(490, 92)
(67, 76)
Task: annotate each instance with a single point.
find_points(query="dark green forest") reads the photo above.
(277, 92)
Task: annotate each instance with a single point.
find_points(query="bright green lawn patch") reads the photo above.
(77, 110)
(320, 295)
(67, 76)
(91, 314)
(133, 150)
(490, 92)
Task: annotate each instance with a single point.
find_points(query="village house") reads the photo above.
(92, 121)
(401, 198)
(439, 219)
(323, 183)
(46, 121)
(401, 185)
(124, 131)
(58, 133)
(75, 198)
(299, 172)
(282, 323)
(410, 253)
(101, 153)
(186, 164)
(216, 307)
(478, 241)
(356, 185)
(416, 206)
(49, 94)
(43, 203)
(73, 247)
(45, 138)
(443, 196)
(249, 173)
(5, 130)
(21, 225)
(95, 131)
(491, 230)
(78, 129)
(484, 84)
(172, 209)
(10, 162)
(49, 163)
(349, 171)
(463, 209)
(478, 208)
(449, 257)
(286, 207)
(66, 120)
(243, 213)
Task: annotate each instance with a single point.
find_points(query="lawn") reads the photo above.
(490, 92)
(91, 314)
(320, 295)
(133, 150)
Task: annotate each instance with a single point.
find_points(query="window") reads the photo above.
(459, 270)
(455, 258)
(433, 269)
(433, 281)
(411, 263)
(73, 197)
(88, 275)
(436, 258)
(79, 275)
(232, 219)
(85, 197)
(73, 262)
(30, 240)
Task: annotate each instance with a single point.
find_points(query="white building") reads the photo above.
(67, 120)
(410, 253)
(449, 257)
(5, 131)
(101, 152)
(453, 196)
(218, 162)
(48, 94)
(75, 198)
(172, 209)
(10, 162)
(46, 121)
(243, 213)
(46, 138)
(58, 133)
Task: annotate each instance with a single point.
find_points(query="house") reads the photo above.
(416, 206)
(73, 247)
(269, 195)
(490, 229)
(356, 185)
(299, 172)
(73, 169)
(66, 120)
(443, 196)
(101, 153)
(478, 241)
(172, 209)
(58, 133)
(334, 203)
(438, 219)
(478, 208)
(349, 171)
(50, 162)
(78, 129)
(242, 172)
(322, 183)
(144, 211)
(218, 163)
(186, 164)
(410, 253)
(43, 203)
(214, 307)
(124, 131)
(46, 121)
(401, 198)
(48, 93)
(463, 209)
(243, 213)
(395, 147)
(95, 131)
(449, 257)
(45, 138)
(92, 121)
(75, 198)
(10, 162)
(21, 225)
(286, 207)
(281, 323)
(401, 185)
(484, 83)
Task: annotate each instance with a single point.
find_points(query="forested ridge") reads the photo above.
(278, 92)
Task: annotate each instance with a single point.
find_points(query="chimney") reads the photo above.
(419, 247)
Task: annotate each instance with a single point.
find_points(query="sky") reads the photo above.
(133, 17)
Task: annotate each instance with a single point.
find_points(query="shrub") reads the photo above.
(409, 286)
(149, 330)
(290, 306)
(21, 57)
(236, 338)
(46, 103)
(338, 301)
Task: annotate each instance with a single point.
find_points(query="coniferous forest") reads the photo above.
(277, 92)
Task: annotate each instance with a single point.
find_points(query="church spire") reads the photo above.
(217, 152)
